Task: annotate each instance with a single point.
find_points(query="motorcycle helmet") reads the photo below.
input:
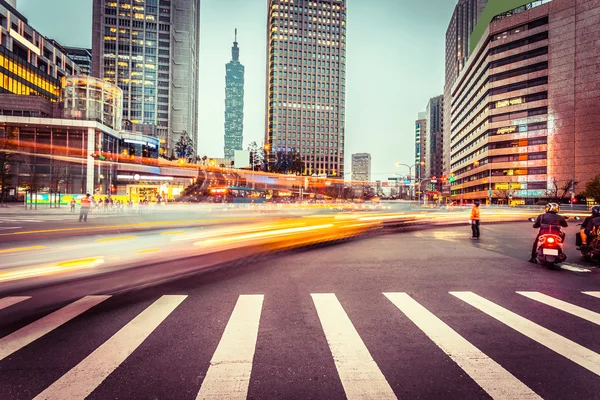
(553, 208)
(596, 211)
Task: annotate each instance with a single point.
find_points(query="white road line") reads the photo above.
(495, 380)
(9, 227)
(564, 306)
(595, 294)
(9, 301)
(86, 376)
(563, 346)
(24, 336)
(360, 375)
(574, 268)
(228, 376)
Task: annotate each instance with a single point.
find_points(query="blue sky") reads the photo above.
(395, 64)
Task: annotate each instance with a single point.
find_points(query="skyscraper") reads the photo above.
(306, 83)
(361, 167)
(463, 21)
(420, 143)
(435, 131)
(234, 102)
(151, 50)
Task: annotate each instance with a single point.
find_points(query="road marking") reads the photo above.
(563, 346)
(495, 380)
(147, 251)
(86, 376)
(115, 239)
(19, 249)
(9, 301)
(574, 269)
(564, 306)
(5, 228)
(360, 375)
(24, 336)
(594, 294)
(228, 376)
(172, 233)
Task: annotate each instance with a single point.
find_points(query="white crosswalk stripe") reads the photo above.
(359, 373)
(495, 380)
(594, 294)
(24, 336)
(80, 381)
(564, 306)
(228, 376)
(563, 346)
(9, 301)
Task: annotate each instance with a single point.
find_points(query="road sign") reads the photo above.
(490, 193)
(393, 179)
(433, 181)
(510, 195)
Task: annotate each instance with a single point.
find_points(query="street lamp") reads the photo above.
(410, 173)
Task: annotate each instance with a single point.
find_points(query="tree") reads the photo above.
(289, 163)
(558, 191)
(503, 195)
(257, 155)
(184, 148)
(592, 189)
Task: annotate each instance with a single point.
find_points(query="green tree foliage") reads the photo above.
(184, 148)
(592, 189)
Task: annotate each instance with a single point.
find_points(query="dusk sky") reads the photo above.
(395, 64)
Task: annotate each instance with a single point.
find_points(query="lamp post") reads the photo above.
(410, 167)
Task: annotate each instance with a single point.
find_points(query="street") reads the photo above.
(425, 314)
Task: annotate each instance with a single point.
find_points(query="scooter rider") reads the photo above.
(586, 226)
(549, 222)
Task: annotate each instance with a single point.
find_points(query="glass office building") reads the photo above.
(150, 49)
(306, 83)
(234, 103)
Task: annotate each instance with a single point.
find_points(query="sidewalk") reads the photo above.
(42, 209)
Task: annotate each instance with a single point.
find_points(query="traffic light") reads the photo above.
(452, 178)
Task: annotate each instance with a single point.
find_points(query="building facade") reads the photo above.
(361, 167)
(434, 149)
(81, 57)
(420, 144)
(234, 102)
(30, 64)
(524, 118)
(306, 83)
(463, 21)
(151, 51)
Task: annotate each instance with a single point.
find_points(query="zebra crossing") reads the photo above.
(231, 366)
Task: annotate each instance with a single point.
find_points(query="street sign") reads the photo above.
(433, 181)
(510, 195)
(490, 193)
(393, 179)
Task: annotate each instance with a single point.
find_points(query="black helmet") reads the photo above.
(553, 208)
(596, 211)
(476, 202)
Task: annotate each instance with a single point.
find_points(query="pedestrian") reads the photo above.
(85, 208)
(474, 220)
(73, 205)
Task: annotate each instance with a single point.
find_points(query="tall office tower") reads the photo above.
(306, 83)
(151, 50)
(463, 21)
(81, 57)
(361, 167)
(234, 102)
(435, 131)
(12, 3)
(420, 143)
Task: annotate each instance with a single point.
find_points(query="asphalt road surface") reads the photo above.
(420, 315)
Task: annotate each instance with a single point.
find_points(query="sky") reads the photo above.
(395, 64)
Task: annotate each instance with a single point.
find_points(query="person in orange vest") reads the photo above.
(475, 214)
(86, 204)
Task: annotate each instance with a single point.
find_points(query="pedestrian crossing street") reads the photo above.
(230, 370)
